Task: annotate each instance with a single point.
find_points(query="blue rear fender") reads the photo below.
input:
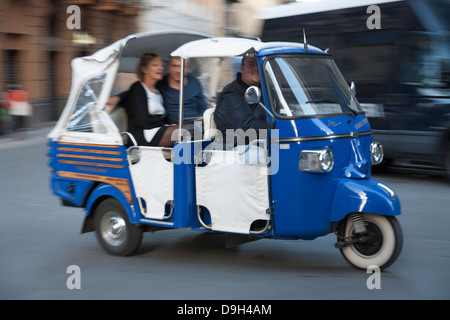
(101, 192)
(363, 195)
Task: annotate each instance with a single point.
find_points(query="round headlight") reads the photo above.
(377, 153)
(326, 160)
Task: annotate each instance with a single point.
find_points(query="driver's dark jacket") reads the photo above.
(232, 112)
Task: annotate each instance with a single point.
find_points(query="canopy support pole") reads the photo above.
(180, 116)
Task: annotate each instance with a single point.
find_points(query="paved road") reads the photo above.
(39, 240)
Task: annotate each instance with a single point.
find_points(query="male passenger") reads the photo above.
(193, 101)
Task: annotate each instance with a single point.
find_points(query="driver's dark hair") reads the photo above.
(246, 57)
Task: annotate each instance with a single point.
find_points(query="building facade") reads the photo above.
(39, 39)
(205, 16)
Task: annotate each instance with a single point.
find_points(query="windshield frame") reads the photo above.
(266, 78)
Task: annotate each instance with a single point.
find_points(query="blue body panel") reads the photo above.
(303, 201)
(84, 173)
(286, 49)
(185, 211)
(70, 190)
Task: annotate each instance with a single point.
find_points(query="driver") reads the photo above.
(233, 112)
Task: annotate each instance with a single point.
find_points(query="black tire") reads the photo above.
(383, 248)
(114, 232)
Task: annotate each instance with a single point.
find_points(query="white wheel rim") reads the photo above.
(383, 254)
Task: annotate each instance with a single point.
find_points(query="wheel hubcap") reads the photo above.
(113, 229)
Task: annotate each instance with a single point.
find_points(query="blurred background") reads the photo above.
(398, 55)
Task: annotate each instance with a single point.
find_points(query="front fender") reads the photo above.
(363, 195)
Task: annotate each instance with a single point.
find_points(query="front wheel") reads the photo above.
(114, 232)
(379, 246)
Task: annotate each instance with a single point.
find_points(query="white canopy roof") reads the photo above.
(128, 51)
(228, 47)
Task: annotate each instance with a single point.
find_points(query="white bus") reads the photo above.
(397, 53)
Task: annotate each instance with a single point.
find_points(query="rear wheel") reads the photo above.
(380, 245)
(114, 232)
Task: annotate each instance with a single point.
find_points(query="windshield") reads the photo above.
(302, 86)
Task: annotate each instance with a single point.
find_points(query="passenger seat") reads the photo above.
(210, 129)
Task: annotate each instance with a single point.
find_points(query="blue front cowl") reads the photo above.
(359, 167)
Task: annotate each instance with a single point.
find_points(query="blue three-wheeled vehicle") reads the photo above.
(313, 178)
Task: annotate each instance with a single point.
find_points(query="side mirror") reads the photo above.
(353, 88)
(252, 95)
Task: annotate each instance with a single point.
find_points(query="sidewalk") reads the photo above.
(25, 137)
